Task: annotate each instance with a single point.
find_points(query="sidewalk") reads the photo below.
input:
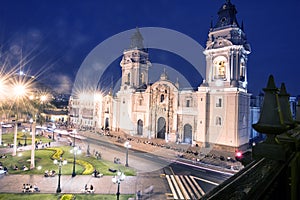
(104, 185)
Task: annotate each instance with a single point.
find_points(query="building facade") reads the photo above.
(218, 112)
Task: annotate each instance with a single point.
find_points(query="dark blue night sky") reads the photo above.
(54, 37)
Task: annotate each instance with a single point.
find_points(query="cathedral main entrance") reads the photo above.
(140, 127)
(161, 128)
(187, 134)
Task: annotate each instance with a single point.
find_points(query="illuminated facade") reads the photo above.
(217, 113)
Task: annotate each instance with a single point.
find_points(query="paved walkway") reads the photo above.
(69, 184)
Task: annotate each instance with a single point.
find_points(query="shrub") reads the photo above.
(88, 167)
(67, 197)
(58, 153)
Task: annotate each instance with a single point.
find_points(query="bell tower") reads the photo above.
(227, 51)
(135, 63)
(223, 94)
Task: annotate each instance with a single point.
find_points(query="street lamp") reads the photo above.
(53, 128)
(32, 131)
(60, 163)
(75, 151)
(127, 146)
(117, 179)
(19, 91)
(1, 133)
(31, 121)
(25, 137)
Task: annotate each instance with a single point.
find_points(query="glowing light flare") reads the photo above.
(86, 94)
(3, 87)
(43, 98)
(19, 90)
(98, 96)
(238, 154)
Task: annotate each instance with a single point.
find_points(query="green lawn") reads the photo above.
(43, 158)
(8, 138)
(61, 197)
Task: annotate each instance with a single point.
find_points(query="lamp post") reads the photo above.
(31, 121)
(1, 133)
(53, 128)
(117, 179)
(19, 92)
(25, 137)
(32, 130)
(127, 146)
(60, 163)
(75, 151)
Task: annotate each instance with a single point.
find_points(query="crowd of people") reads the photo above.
(192, 152)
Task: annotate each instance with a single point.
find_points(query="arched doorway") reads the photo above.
(161, 128)
(187, 134)
(106, 123)
(140, 127)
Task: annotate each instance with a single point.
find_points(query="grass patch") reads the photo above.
(44, 158)
(8, 138)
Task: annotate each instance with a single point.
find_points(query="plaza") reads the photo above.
(145, 177)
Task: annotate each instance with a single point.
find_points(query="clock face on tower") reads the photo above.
(220, 67)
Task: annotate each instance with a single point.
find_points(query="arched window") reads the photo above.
(142, 78)
(188, 103)
(220, 64)
(242, 70)
(140, 127)
(218, 121)
(219, 102)
(162, 98)
(128, 79)
(140, 102)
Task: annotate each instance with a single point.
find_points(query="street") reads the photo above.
(165, 162)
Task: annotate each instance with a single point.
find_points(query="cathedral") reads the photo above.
(216, 113)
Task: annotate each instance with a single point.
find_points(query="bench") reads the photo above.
(88, 191)
(97, 176)
(112, 170)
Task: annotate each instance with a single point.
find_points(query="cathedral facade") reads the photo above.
(218, 112)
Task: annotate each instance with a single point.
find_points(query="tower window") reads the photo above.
(219, 102)
(142, 78)
(162, 98)
(218, 121)
(242, 72)
(188, 103)
(220, 64)
(128, 79)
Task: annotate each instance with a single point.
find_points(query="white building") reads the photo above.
(217, 113)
